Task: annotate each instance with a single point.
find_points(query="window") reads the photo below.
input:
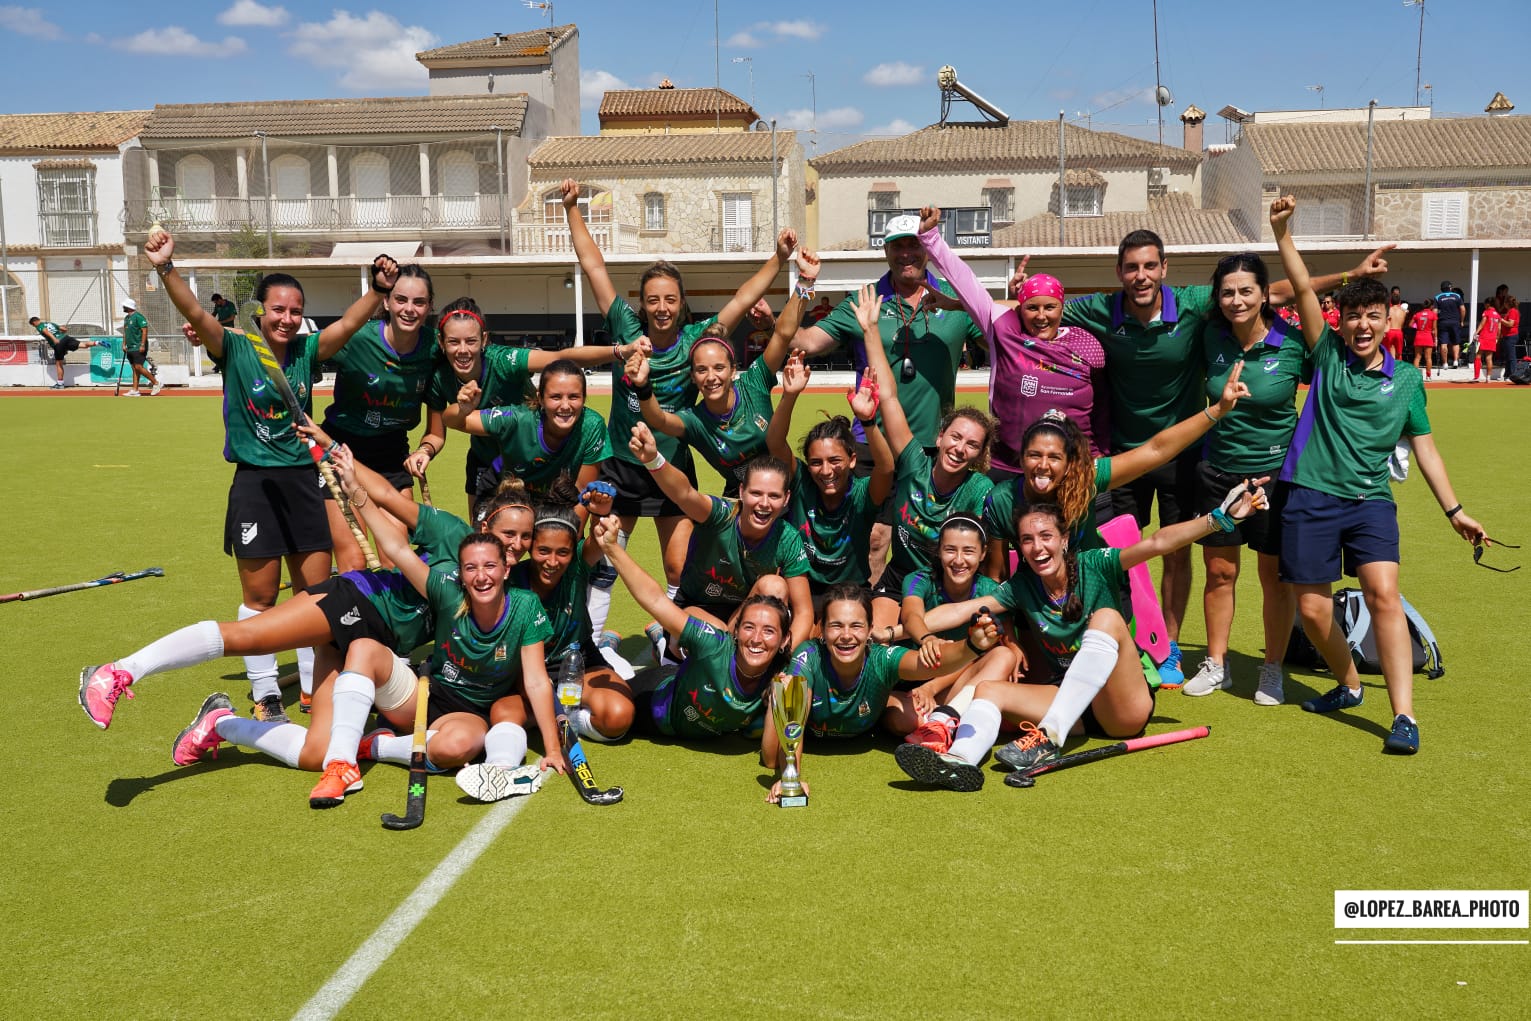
(1001, 203)
(194, 182)
(653, 211)
(66, 202)
(1321, 218)
(369, 190)
(1445, 215)
(883, 199)
(1083, 200)
(970, 227)
(738, 223)
(290, 191)
(593, 204)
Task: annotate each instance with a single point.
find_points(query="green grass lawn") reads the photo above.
(1189, 881)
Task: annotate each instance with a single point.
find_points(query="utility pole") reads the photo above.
(813, 124)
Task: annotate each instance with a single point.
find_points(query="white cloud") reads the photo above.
(762, 32)
(840, 118)
(175, 41)
(374, 51)
(742, 40)
(896, 73)
(250, 14)
(596, 83)
(897, 126)
(28, 21)
(809, 30)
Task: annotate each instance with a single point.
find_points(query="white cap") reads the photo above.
(128, 304)
(904, 226)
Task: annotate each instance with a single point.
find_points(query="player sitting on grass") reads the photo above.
(1074, 601)
(1339, 511)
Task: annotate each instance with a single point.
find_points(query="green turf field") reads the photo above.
(1191, 881)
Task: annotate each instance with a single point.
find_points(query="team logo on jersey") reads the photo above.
(302, 392)
(1270, 365)
(258, 386)
(714, 590)
(1387, 388)
(373, 379)
(1220, 359)
(247, 532)
(1029, 386)
(633, 404)
(449, 671)
(263, 432)
(374, 419)
(863, 709)
(351, 617)
(499, 654)
(760, 422)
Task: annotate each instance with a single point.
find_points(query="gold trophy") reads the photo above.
(790, 700)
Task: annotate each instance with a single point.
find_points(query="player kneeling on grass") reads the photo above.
(721, 685)
(856, 683)
(1339, 510)
(1073, 600)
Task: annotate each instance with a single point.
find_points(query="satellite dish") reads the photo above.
(1164, 96)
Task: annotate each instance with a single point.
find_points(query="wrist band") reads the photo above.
(1453, 512)
(428, 450)
(1210, 417)
(644, 391)
(616, 353)
(164, 268)
(334, 445)
(976, 650)
(803, 291)
(656, 464)
(867, 421)
(1221, 520)
(355, 502)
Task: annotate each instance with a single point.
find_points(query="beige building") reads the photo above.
(670, 111)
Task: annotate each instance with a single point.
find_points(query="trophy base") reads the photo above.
(793, 801)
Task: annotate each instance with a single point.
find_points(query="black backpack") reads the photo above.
(1521, 373)
(1353, 618)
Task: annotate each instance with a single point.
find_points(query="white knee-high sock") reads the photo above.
(599, 604)
(977, 731)
(352, 699)
(306, 670)
(670, 590)
(505, 745)
(281, 741)
(260, 669)
(397, 749)
(962, 699)
(580, 719)
(1082, 681)
(196, 643)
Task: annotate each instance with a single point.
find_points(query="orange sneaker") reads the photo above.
(936, 733)
(339, 779)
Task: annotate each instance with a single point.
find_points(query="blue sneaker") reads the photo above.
(1404, 740)
(1170, 674)
(1340, 698)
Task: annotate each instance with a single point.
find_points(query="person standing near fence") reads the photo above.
(135, 348)
(62, 343)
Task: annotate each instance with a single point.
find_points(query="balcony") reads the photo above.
(551, 237)
(345, 213)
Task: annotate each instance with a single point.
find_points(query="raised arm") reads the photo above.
(1165, 444)
(373, 486)
(390, 539)
(975, 300)
(586, 356)
(983, 635)
(1242, 501)
(1308, 308)
(794, 380)
(646, 592)
(756, 286)
(591, 263)
(1374, 265)
(658, 418)
(865, 400)
(385, 273)
(159, 250)
(695, 505)
(895, 425)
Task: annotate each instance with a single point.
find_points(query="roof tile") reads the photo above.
(997, 148)
(574, 152)
(1174, 217)
(518, 44)
(403, 115)
(1453, 143)
(22, 132)
(671, 102)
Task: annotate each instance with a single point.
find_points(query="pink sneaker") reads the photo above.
(937, 733)
(100, 687)
(201, 735)
(366, 751)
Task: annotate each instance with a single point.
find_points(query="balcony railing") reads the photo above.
(348, 212)
(551, 237)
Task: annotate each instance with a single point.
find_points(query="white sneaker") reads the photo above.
(157, 388)
(1208, 679)
(490, 781)
(1269, 692)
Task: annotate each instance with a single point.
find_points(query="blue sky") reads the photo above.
(873, 64)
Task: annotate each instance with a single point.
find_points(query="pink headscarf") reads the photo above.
(1043, 284)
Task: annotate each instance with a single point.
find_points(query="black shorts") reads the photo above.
(351, 615)
(444, 701)
(65, 345)
(481, 479)
(890, 585)
(275, 511)
(1261, 531)
(1092, 727)
(136, 358)
(383, 453)
(1448, 335)
(1173, 484)
(638, 495)
(722, 611)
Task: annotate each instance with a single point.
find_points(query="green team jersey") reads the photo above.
(729, 443)
(439, 533)
(378, 390)
(706, 698)
(837, 541)
(135, 330)
(1253, 437)
(926, 586)
(478, 666)
(226, 312)
(504, 379)
(1007, 499)
(44, 328)
(722, 566)
(566, 608)
(521, 446)
(258, 430)
(1102, 583)
(837, 711)
(919, 510)
(1351, 421)
(669, 375)
(405, 611)
(1155, 370)
(932, 338)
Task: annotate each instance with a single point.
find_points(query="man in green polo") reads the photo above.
(135, 348)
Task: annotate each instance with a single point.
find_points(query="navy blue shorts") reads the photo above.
(1322, 533)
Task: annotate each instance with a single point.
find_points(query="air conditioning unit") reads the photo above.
(1159, 176)
(484, 154)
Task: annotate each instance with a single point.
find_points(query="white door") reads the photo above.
(458, 176)
(290, 191)
(194, 181)
(369, 190)
(738, 229)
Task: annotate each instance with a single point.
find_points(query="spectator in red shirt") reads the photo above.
(1424, 336)
(1488, 341)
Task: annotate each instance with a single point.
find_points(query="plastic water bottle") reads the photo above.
(571, 678)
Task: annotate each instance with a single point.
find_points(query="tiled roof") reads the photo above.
(80, 164)
(404, 115)
(1464, 143)
(1499, 104)
(1083, 177)
(519, 44)
(1173, 217)
(997, 148)
(21, 132)
(626, 103)
(575, 152)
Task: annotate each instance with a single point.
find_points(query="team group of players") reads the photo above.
(933, 568)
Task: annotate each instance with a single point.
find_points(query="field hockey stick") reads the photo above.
(573, 751)
(284, 390)
(425, 491)
(111, 579)
(1027, 777)
(414, 805)
(117, 387)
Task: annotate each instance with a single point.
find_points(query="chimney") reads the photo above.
(1498, 106)
(1192, 120)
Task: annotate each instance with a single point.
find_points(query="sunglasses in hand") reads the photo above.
(1488, 541)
